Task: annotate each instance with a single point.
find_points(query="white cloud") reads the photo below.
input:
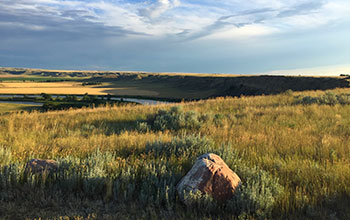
(243, 33)
(158, 8)
(315, 71)
(191, 20)
(20, 25)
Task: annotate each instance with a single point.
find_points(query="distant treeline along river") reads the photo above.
(140, 101)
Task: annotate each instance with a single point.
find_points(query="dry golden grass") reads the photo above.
(9, 76)
(25, 85)
(69, 88)
(305, 146)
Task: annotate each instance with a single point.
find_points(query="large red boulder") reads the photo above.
(210, 175)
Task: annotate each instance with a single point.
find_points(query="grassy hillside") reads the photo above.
(9, 107)
(161, 85)
(291, 151)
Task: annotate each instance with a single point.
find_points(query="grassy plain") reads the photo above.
(29, 78)
(161, 85)
(49, 88)
(74, 88)
(11, 107)
(305, 146)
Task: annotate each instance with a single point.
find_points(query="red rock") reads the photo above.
(38, 165)
(210, 175)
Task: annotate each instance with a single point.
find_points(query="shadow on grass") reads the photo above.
(71, 192)
(110, 127)
(33, 202)
(22, 109)
(333, 207)
(258, 85)
(188, 86)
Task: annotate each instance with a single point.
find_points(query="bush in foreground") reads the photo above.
(176, 119)
(148, 177)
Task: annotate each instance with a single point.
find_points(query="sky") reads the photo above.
(203, 36)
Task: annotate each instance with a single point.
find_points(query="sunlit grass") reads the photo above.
(305, 146)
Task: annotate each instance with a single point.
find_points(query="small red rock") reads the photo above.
(38, 165)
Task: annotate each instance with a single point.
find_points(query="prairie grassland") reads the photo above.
(178, 86)
(21, 85)
(305, 146)
(72, 88)
(9, 107)
(33, 78)
(4, 76)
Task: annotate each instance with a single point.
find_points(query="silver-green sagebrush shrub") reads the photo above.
(328, 98)
(257, 194)
(200, 201)
(175, 119)
(259, 190)
(143, 127)
(149, 179)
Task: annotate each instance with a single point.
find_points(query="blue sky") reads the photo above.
(218, 36)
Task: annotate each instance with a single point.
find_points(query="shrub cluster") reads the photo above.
(148, 176)
(176, 119)
(257, 195)
(328, 98)
(91, 83)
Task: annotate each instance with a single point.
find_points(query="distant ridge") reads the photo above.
(191, 86)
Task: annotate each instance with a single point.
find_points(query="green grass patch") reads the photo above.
(117, 163)
(11, 107)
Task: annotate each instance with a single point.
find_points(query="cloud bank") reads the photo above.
(164, 34)
(166, 17)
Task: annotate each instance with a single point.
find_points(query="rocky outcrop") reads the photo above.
(209, 175)
(39, 166)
